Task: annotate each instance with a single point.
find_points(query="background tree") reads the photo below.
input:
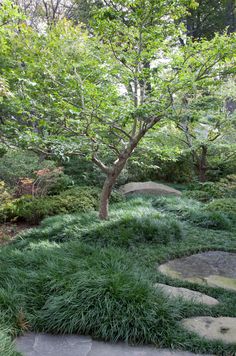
(209, 17)
(208, 126)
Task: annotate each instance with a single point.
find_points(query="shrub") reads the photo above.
(199, 195)
(34, 209)
(80, 199)
(226, 206)
(16, 164)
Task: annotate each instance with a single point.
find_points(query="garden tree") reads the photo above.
(208, 122)
(43, 13)
(209, 17)
(99, 96)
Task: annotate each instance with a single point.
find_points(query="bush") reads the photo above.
(80, 199)
(199, 195)
(33, 210)
(18, 164)
(226, 206)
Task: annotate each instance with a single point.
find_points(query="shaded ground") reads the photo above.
(9, 230)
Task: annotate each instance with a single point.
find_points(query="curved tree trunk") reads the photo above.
(105, 196)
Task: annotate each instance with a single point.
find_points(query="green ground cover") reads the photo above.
(76, 274)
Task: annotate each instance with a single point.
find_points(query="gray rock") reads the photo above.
(222, 328)
(213, 268)
(186, 294)
(73, 345)
(148, 188)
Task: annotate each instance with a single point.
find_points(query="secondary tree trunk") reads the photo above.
(201, 165)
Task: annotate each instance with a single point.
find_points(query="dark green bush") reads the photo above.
(199, 195)
(80, 199)
(33, 210)
(17, 164)
(226, 206)
(62, 183)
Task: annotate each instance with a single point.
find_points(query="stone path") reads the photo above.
(214, 268)
(148, 188)
(186, 294)
(72, 345)
(222, 328)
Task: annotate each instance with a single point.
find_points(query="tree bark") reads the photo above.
(105, 197)
(201, 165)
(113, 173)
(109, 184)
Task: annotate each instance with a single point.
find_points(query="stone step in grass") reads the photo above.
(221, 328)
(72, 345)
(186, 294)
(212, 268)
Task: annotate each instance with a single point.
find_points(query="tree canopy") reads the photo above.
(66, 91)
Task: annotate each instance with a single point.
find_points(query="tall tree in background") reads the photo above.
(209, 17)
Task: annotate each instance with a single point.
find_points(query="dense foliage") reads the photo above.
(95, 94)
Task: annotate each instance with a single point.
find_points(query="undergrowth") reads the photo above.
(76, 274)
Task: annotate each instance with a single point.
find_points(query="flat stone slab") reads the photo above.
(222, 328)
(186, 294)
(148, 188)
(213, 268)
(72, 345)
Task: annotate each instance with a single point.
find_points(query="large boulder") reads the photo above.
(148, 188)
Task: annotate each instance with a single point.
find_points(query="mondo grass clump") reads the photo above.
(129, 224)
(6, 345)
(197, 213)
(77, 274)
(76, 288)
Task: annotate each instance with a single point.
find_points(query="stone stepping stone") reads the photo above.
(213, 268)
(148, 188)
(186, 294)
(222, 328)
(72, 345)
